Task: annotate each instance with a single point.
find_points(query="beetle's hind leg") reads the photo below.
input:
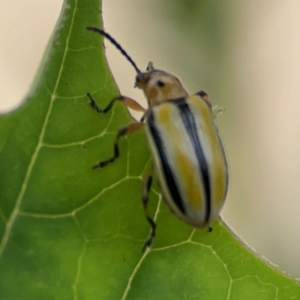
(145, 199)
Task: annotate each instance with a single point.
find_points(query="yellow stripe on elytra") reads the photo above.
(183, 162)
(218, 167)
(191, 185)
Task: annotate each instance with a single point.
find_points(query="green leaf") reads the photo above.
(70, 232)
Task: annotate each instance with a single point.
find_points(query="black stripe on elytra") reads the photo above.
(191, 128)
(169, 177)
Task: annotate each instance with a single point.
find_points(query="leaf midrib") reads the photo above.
(16, 209)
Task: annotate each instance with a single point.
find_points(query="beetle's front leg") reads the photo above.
(130, 103)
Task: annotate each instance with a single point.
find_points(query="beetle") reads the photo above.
(188, 154)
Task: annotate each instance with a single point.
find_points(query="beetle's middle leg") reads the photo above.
(126, 130)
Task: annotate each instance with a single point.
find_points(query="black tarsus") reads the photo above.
(117, 45)
(95, 107)
(104, 163)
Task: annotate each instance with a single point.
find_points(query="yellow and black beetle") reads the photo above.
(188, 155)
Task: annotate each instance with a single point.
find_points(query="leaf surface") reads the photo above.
(70, 232)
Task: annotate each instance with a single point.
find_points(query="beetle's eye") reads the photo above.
(160, 83)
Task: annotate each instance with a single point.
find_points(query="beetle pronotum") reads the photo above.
(188, 155)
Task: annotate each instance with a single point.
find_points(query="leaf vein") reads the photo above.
(20, 196)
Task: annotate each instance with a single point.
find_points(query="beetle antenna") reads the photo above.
(117, 45)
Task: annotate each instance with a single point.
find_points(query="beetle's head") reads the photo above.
(159, 86)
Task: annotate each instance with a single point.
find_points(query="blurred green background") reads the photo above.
(245, 55)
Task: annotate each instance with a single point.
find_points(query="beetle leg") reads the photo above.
(128, 129)
(145, 200)
(130, 103)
